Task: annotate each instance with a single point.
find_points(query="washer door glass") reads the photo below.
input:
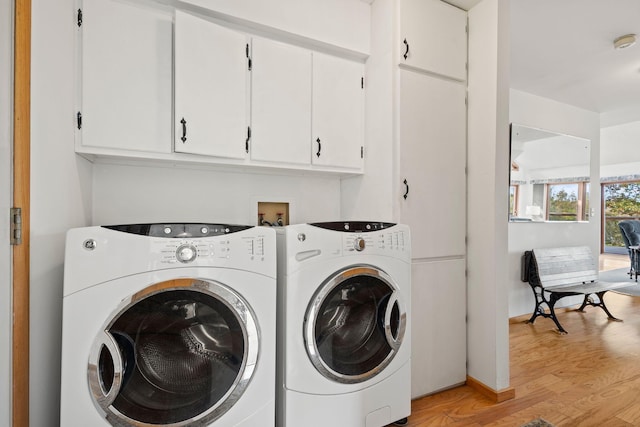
(174, 355)
(355, 324)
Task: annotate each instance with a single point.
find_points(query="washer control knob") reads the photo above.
(186, 253)
(359, 244)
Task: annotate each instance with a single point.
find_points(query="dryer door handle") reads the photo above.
(105, 369)
(395, 321)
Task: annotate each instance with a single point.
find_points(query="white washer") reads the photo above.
(169, 325)
(344, 348)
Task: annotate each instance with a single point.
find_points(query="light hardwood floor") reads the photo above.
(588, 377)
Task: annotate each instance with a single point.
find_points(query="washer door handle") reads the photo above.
(394, 313)
(105, 390)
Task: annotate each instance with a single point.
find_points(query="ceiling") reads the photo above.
(563, 50)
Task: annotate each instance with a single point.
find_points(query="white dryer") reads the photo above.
(344, 348)
(169, 325)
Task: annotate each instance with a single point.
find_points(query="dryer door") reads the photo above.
(355, 324)
(176, 353)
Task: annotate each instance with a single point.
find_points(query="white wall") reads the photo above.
(60, 195)
(6, 127)
(542, 113)
(138, 194)
(619, 154)
(342, 23)
(487, 194)
(378, 179)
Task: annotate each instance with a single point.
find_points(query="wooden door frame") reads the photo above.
(21, 199)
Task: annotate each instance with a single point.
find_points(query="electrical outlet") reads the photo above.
(273, 213)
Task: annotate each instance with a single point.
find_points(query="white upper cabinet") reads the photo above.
(432, 127)
(338, 112)
(280, 102)
(211, 88)
(162, 83)
(125, 57)
(433, 37)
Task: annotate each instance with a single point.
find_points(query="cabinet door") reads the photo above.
(126, 76)
(211, 93)
(280, 102)
(434, 37)
(432, 136)
(338, 112)
(439, 330)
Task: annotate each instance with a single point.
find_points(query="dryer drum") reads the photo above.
(182, 352)
(354, 325)
(350, 346)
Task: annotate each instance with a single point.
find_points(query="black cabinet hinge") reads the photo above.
(249, 64)
(246, 143)
(79, 17)
(362, 151)
(361, 82)
(79, 119)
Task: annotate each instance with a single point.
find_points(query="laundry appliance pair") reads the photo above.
(176, 325)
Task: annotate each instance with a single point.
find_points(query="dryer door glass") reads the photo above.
(175, 355)
(355, 326)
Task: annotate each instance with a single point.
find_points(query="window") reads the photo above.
(567, 201)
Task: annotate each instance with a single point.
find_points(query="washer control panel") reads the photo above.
(209, 250)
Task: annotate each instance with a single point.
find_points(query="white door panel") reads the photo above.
(338, 112)
(432, 160)
(280, 102)
(210, 88)
(126, 76)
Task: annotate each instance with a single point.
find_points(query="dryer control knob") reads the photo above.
(359, 244)
(186, 253)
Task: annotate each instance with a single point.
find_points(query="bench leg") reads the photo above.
(588, 301)
(539, 295)
(552, 313)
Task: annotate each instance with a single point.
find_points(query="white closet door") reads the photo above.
(432, 160)
(436, 37)
(126, 76)
(338, 112)
(439, 329)
(210, 88)
(281, 102)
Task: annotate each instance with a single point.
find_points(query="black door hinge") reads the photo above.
(362, 151)
(15, 226)
(79, 119)
(361, 82)
(249, 64)
(246, 143)
(79, 17)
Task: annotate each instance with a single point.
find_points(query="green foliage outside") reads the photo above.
(563, 205)
(622, 201)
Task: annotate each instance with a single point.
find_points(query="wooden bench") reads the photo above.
(563, 272)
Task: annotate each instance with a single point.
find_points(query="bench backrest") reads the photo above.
(563, 266)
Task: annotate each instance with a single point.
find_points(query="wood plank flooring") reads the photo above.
(588, 377)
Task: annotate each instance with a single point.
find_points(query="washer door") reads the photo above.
(177, 353)
(355, 324)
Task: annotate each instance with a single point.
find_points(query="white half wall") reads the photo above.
(6, 137)
(487, 194)
(535, 111)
